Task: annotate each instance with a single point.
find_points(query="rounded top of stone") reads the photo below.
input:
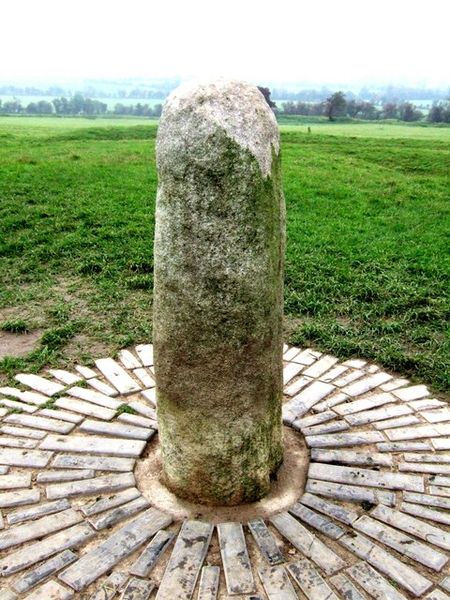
(236, 107)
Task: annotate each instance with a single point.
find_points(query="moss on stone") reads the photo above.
(219, 248)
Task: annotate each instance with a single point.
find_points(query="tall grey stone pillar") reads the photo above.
(218, 293)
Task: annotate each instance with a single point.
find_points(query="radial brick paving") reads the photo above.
(373, 522)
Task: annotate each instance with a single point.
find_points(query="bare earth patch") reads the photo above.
(18, 344)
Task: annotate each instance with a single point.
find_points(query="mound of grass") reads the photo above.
(367, 257)
(15, 326)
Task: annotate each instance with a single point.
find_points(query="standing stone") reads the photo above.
(218, 295)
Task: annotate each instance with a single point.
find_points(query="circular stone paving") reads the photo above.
(83, 514)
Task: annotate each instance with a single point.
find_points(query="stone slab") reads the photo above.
(98, 463)
(49, 567)
(404, 446)
(120, 513)
(117, 376)
(337, 511)
(59, 475)
(27, 396)
(350, 493)
(34, 434)
(426, 513)
(364, 405)
(316, 521)
(366, 384)
(344, 439)
(416, 527)
(310, 581)
(19, 498)
(415, 392)
(321, 366)
(15, 442)
(427, 500)
(129, 360)
(145, 353)
(137, 589)
(144, 377)
(94, 445)
(265, 542)
(118, 430)
(40, 384)
(366, 477)
(399, 572)
(39, 528)
(104, 484)
(311, 546)
(346, 588)
(86, 372)
(15, 405)
(373, 583)
(52, 590)
(98, 561)
(296, 386)
(94, 397)
(397, 422)
(404, 544)
(85, 408)
(40, 423)
(185, 562)
(152, 554)
(65, 377)
(100, 505)
(301, 404)
(33, 553)
(352, 457)
(34, 512)
(235, 559)
(102, 387)
(276, 583)
(15, 480)
(61, 415)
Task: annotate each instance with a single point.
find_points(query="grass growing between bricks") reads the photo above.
(367, 259)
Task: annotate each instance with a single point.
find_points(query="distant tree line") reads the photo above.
(77, 105)
(337, 105)
(386, 94)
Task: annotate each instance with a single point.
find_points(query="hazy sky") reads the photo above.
(333, 41)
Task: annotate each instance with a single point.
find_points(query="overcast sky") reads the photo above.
(319, 41)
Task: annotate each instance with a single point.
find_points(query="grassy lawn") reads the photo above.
(367, 265)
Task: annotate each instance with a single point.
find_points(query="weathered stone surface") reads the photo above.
(311, 546)
(47, 568)
(88, 487)
(85, 408)
(185, 562)
(265, 541)
(317, 521)
(357, 476)
(98, 463)
(115, 582)
(401, 542)
(15, 480)
(347, 589)
(429, 533)
(218, 301)
(310, 582)
(27, 514)
(137, 589)
(62, 415)
(124, 542)
(337, 511)
(300, 404)
(209, 583)
(151, 554)
(40, 423)
(426, 513)
(115, 515)
(40, 384)
(351, 457)
(102, 387)
(26, 432)
(343, 439)
(52, 590)
(58, 475)
(350, 493)
(116, 429)
(99, 505)
(93, 445)
(117, 376)
(277, 583)
(33, 553)
(401, 573)
(372, 582)
(145, 353)
(19, 498)
(37, 529)
(235, 559)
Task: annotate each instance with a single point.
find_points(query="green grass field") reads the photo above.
(367, 263)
